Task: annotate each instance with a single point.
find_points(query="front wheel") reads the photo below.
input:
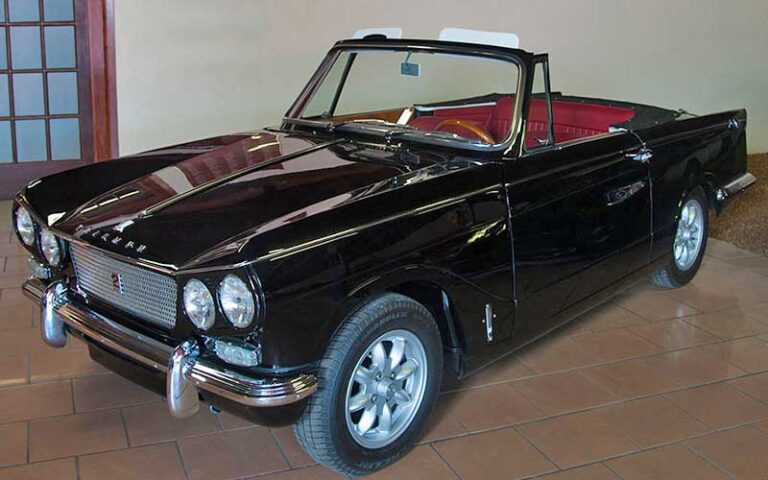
(377, 384)
(689, 244)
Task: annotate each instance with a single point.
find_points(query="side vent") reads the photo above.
(489, 316)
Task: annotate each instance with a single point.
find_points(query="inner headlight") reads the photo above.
(199, 304)
(236, 301)
(50, 247)
(25, 226)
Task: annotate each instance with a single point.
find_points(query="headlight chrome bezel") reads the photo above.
(200, 290)
(219, 285)
(29, 237)
(232, 285)
(54, 256)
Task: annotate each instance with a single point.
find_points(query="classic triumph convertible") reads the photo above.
(424, 208)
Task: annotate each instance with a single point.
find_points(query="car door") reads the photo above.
(580, 216)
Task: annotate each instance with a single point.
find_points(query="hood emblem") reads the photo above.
(116, 240)
(117, 283)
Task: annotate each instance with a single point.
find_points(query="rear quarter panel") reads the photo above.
(708, 150)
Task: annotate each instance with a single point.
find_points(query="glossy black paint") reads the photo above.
(324, 221)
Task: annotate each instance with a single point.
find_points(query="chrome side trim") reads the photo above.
(489, 316)
(277, 254)
(182, 364)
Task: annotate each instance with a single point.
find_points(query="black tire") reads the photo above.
(671, 275)
(322, 430)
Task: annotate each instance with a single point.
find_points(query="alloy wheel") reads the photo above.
(386, 389)
(689, 237)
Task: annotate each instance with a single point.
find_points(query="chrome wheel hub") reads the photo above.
(386, 389)
(690, 235)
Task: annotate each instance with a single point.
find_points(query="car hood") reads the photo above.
(254, 183)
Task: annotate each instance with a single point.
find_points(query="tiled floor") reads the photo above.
(655, 385)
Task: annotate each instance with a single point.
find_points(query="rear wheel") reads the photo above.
(378, 384)
(689, 244)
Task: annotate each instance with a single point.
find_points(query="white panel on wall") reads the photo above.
(196, 68)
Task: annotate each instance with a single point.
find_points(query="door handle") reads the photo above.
(644, 155)
(621, 195)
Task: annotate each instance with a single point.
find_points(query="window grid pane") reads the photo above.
(3, 49)
(24, 10)
(60, 47)
(62, 93)
(6, 150)
(39, 96)
(58, 10)
(30, 141)
(28, 94)
(65, 138)
(5, 97)
(25, 48)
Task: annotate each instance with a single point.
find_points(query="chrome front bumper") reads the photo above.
(186, 372)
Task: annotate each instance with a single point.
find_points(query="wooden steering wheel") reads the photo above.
(480, 132)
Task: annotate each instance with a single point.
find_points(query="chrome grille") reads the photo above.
(147, 295)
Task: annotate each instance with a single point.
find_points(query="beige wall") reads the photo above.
(188, 69)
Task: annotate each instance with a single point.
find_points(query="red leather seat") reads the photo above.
(500, 122)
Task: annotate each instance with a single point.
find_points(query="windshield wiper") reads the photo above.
(377, 121)
(310, 123)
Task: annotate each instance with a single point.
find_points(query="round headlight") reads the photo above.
(199, 304)
(49, 244)
(25, 226)
(236, 301)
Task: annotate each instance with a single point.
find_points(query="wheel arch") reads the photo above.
(431, 293)
(437, 300)
(695, 176)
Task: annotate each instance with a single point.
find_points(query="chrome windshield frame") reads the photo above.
(517, 57)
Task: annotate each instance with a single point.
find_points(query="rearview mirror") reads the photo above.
(410, 69)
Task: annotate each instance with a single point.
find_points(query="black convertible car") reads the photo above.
(424, 208)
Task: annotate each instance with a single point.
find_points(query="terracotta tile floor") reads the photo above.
(654, 385)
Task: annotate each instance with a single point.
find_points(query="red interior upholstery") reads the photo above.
(572, 120)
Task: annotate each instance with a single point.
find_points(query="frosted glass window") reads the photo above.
(25, 47)
(62, 93)
(24, 10)
(58, 10)
(6, 152)
(60, 47)
(28, 94)
(5, 104)
(2, 11)
(3, 50)
(30, 140)
(65, 139)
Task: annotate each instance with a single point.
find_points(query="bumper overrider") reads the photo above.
(187, 374)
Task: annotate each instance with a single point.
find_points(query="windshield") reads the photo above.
(453, 97)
